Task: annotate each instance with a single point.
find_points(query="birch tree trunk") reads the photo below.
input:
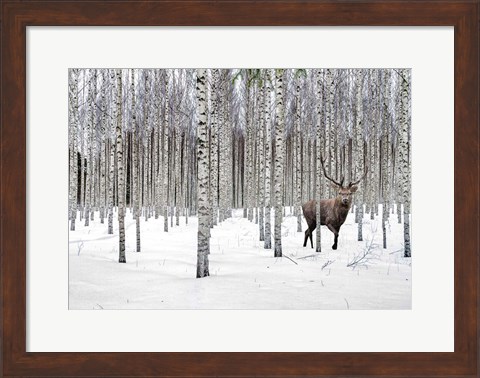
(135, 163)
(268, 162)
(386, 157)
(103, 147)
(155, 172)
(178, 150)
(262, 163)
(404, 160)
(93, 143)
(214, 146)
(359, 139)
(298, 161)
(255, 155)
(203, 248)
(111, 175)
(318, 194)
(330, 133)
(279, 127)
(373, 180)
(166, 118)
(220, 158)
(88, 137)
(145, 146)
(74, 125)
(121, 178)
(186, 175)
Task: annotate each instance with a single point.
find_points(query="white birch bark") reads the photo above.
(373, 179)
(203, 248)
(386, 156)
(103, 145)
(279, 161)
(312, 169)
(93, 155)
(74, 126)
(166, 118)
(88, 137)
(359, 143)
(186, 175)
(214, 146)
(178, 196)
(298, 157)
(318, 191)
(111, 174)
(156, 142)
(135, 161)
(222, 153)
(254, 191)
(268, 163)
(404, 159)
(261, 142)
(330, 128)
(121, 178)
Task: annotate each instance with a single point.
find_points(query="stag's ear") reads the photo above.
(353, 189)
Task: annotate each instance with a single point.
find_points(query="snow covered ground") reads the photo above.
(243, 275)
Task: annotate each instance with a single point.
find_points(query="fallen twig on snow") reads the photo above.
(327, 263)
(363, 257)
(290, 259)
(305, 257)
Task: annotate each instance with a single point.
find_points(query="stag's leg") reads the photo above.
(335, 233)
(334, 246)
(306, 237)
(308, 234)
(312, 228)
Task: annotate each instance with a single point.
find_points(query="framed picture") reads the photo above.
(186, 146)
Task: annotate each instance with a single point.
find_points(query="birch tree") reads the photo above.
(386, 159)
(73, 133)
(103, 145)
(268, 163)
(318, 193)
(214, 146)
(359, 146)
(279, 126)
(111, 173)
(135, 163)
(121, 178)
(203, 248)
(262, 163)
(404, 159)
(166, 119)
(89, 138)
(298, 154)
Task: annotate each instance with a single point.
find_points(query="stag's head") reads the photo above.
(344, 192)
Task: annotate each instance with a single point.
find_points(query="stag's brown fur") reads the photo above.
(333, 213)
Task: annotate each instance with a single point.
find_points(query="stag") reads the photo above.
(333, 211)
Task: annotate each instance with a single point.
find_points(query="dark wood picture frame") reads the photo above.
(17, 15)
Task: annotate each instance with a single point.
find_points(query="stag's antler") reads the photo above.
(340, 184)
(360, 179)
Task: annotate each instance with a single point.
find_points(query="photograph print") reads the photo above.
(239, 189)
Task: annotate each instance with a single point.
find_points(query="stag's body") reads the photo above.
(333, 213)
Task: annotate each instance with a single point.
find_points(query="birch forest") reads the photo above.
(218, 174)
